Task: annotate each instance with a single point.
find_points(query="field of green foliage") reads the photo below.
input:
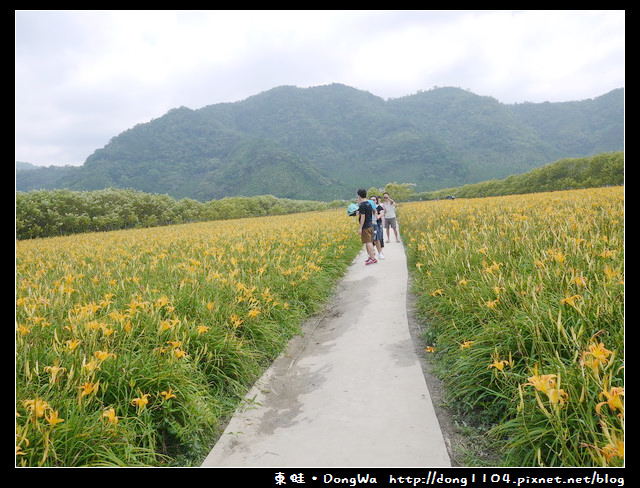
(523, 299)
(134, 346)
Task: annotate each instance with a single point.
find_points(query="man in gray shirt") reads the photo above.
(390, 215)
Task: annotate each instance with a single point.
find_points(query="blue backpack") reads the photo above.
(352, 209)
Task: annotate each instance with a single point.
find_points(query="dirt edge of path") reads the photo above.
(453, 438)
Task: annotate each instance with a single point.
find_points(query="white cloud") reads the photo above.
(83, 77)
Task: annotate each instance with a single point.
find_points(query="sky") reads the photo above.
(83, 77)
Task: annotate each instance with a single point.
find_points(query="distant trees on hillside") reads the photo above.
(604, 169)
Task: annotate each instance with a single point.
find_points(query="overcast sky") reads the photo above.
(83, 77)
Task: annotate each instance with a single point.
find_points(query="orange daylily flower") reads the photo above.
(614, 399)
(596, 356)
(546, 384)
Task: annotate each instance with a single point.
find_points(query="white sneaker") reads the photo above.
(381, 256)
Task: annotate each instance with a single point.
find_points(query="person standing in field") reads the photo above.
(378, 233)
(390, 215)
(365, 224)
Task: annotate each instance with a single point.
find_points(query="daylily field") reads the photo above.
(133, 347)
(522, 298)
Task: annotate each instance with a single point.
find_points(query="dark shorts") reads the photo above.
(390, 222)
(367, 235)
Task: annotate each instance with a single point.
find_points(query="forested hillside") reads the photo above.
(604, 169)
(322, 143)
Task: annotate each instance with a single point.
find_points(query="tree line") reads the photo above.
(604, 169)
(48, 213)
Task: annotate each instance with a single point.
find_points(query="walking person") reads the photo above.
(390, 216)
(378, 233)
(365, 225)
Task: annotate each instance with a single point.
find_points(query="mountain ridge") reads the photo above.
(323, 142)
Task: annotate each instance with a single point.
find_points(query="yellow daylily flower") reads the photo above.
(607, 253)
(72, 344)
(614, 450)
(179, 353)
(571, 301)
(579, 280)
(542, 383)
(492, 303)
(254, 312)
(557, 255)
(498, 289)
(609, 273)
(498, 364)
(161, 302)
(54, 370)
(615, 447)
(167, 394)
(24, 330)
(128, 326)
(107, 331)
(141, 402)
(53, 418)
(557, 395)
(168, 324)
(88, 388)
(546, 384)
(596, 356)
(110, 415)
(36, 407)
(492, 268)
(19, 451)
(91, 365)
(103, 355)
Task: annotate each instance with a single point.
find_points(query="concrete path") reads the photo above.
(348, 392)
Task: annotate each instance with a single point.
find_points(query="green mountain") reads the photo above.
(324, 142)
(25, 166)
